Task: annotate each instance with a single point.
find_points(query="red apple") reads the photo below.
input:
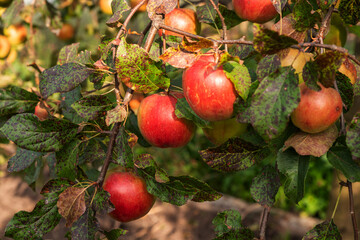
(183, 19)
(66, 32)
(221, 131)
(41, 112)
(16, 34)
(158, 123)
(208, 91)
(317, 111)
(258, 11)
(129, 196)
(5, 47)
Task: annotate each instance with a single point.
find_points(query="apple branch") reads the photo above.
(263, 222)
(224, 37)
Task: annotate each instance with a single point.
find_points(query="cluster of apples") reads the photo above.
(13, 36)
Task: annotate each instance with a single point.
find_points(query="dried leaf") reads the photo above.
(179, 58)
(315, 144)
(71, 204)
(118, 114)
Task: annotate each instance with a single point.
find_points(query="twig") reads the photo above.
(263, 222)
(324, 25)
(352, 210)
(143, 33)
(224, 37)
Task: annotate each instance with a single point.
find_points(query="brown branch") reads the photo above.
(224, 37)
(352, 210)
(324, 25)
(263, 222)
(143, 33)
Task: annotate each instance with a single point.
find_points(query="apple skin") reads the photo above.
(348, 69)
(5, 46)
(158, 123)
(66, 32)
(210, 94)
(258, 11)
(129, 196)
(221, 131)
(183, 19)
(16, 34)
(105, 6)
(41, 112)
(317, 111)
(135, 101)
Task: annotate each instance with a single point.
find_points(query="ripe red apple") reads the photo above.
(208, 91)
(66, 32)
(183, 19)
(317, 111)
(5, 46)
(135, 101)
(16, 34)
(129, 196)
(221, 131)
(40, 112)
(258, 11)
(158, 123)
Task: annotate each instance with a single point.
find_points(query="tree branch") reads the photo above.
(352, 210)
(224, 37)
(263, 222)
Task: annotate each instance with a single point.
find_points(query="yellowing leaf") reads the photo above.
(71, 204)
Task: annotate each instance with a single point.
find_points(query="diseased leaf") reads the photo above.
(16, 100)
(85, 227)
(286, 27)
(118, 114)
(118, 8)
(62, 78)
(239, 75)
(328, 63)
(178, 57)
(183, 110)
(314, 144)
(234, 155)
(195, 46)
(346, 90)
(155, 7)
(71, 204)
(115, 234)
(267, 65)
(272, 103)
(67, 160)
(68, 99)
(137, 70)
(295, 168)
(353, 137)
(123, 152)
(265, 186)
(305, 16)
(269, 42)
(92, 106)
(23, 159)
(243, 51)
(68, 54)
(325, 230)
(341, 159)
(102, 202)
(31, 174)
(350, 11)
(28, 132)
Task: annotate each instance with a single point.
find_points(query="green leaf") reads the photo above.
(85, 227)
(118, 8)
(124, 154)
(341, 159)
(325, 230)
(63, 78)
(114, 234)
(295, 168)
(239, 76)
(183, 110)
(102, 202)
(137, 70)
(350, 11)
(174, 190)
(265, 186)
(242, 51)
(28, 132)
(17, 100)
(22, 160)
(267, 65)
(31, 174)
(269, 42)
(68, 54)
(68, 99)
(353, 137)
(305, 16)
(92, 106)
(272, 103)
(234, 155)
(228, 226)
(67, 160)
(346, 90)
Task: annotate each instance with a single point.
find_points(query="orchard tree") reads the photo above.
(276, 100)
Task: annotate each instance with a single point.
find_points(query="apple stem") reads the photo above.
(263, 222)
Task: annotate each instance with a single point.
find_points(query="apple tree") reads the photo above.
(276, 100)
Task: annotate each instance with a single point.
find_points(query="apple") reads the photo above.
(41, 112)
(210, 94)
(5, 3)
(158, 123)
(5, 46)
(258, 11)
(183, 19)
(129, 196)
(221, 131)
(135, 101)
(66, 32)
(16, 34)
(133, 3)
(317, 111)
(12, 56)
(337, 33)
(105, 6)
(348, 69)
